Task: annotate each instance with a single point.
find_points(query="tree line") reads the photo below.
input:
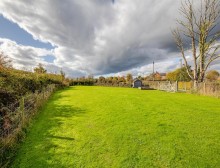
(103, 81)
(179, 74)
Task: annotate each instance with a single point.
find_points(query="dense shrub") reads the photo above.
(17, 83)
(15, 86)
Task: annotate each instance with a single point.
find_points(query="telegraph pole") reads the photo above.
(153, 70)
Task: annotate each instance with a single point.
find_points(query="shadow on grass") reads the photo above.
(47, 143)
(59, 137)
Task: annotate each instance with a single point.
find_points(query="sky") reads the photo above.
(95, 37)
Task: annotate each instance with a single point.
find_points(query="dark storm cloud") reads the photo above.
(98, 36)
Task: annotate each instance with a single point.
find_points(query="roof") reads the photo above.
(163, 74)
(137, 80)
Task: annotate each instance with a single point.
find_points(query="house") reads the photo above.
(160, 76)
(163, 76)
(137, 83)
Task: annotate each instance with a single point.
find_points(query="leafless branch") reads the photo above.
(198, 26)
(5, 61)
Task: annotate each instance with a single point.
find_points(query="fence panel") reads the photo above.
(162, 85)
(15, 116)
(185, 86)
(205, 88)
(209, 88)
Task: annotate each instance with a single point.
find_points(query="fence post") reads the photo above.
(176, 86)
(22, 110)
(37, 99)
(43, 91)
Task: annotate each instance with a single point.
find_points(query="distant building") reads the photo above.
(137, 83)
(163, 76)
(159, 76)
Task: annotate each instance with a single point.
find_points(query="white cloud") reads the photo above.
(27, 57)
(23, 56)
(99, 37)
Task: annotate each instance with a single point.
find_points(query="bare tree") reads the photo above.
(5, 61)
(198, 28)
(40, 69)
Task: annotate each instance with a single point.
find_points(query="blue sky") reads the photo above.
(12, 31)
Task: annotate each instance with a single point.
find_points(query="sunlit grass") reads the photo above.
(123, 127)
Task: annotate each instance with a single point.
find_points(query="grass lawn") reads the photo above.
(123, 127)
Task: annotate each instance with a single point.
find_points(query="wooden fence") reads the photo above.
(14, 117)
(162, 85)
(205, 88)
(211, 89)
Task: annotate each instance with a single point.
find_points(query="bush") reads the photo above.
(16, 83)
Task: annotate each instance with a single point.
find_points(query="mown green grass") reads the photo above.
(123, 127)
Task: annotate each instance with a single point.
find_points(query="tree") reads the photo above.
(121, 79)
(62, 74)
(115, 80)
(198, 28)
(179, 74)
(40, 69)
(212, 75)
(129, 78)
(5, 61)
(182, 74)
(171, 76)
(101, 79)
